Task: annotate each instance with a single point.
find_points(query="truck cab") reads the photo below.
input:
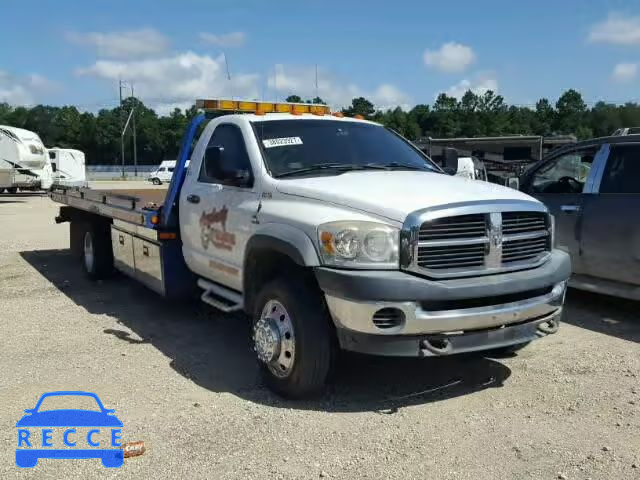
(336, 233)
(593, 190)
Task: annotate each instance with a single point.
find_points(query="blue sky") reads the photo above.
(396, 53)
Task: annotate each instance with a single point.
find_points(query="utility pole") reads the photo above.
(121, 84)
(135, 143)
(122, 125)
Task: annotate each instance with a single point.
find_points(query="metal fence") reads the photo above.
(114, 172)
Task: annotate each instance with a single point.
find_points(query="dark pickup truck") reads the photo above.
(593, 190)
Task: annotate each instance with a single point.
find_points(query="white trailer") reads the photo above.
(68, 166)
(24, 162)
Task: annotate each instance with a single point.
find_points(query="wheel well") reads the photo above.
(78, 220)
(263, 265)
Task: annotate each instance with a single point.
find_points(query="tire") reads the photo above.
(12, 190)
(156, 181)
(313, 345)
(97, 253)
(508, 351)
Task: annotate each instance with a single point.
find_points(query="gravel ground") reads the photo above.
(182, 378)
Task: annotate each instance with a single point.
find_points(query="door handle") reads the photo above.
(570, 208)
(193, 198)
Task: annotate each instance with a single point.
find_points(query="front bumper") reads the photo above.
(446, 316)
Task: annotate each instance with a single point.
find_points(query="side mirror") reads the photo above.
(450, 156)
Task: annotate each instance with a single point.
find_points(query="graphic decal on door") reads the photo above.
(213, 229)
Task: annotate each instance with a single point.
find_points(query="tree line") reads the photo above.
(487, 114)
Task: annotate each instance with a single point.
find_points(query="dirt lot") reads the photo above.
(182, 378)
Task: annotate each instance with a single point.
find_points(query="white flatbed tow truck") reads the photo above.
(329, 232)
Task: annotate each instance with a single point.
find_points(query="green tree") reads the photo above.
(398, 120)
(422, 116)
(544, 117)
(446, 117)
(360, 106)
(493, 117)
(5, 112)
(570, 112)
(293, 99)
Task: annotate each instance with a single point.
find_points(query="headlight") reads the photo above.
(359, 244)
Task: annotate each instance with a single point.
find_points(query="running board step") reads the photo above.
(220, 297)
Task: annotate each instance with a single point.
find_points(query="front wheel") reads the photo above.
(12, 190)
(156, 181)
(293, 338)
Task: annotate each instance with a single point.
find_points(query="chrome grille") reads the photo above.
(464, 226)
(451, 256)
(526, 249)
(522, 222)
(478, 243)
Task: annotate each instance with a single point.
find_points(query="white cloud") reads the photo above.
(625, 72)
(233, 39)
(22, 90)
(451, 57)
(290, 80)
(131, 44)
(176, 81)
(617, 29)
(479, 85)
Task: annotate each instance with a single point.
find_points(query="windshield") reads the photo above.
(292, 146)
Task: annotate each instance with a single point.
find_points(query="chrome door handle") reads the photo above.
(570, 208)
(193, 198)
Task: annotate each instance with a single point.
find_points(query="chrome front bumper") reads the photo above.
(357, 316)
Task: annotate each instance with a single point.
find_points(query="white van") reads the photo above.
(68, 166)
(24, 163)
(164, 172)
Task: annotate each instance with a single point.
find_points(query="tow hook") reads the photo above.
(435, 345)
(549, 327)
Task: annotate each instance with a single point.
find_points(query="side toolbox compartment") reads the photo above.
(123, 258)
(148, 262)
(158, 264)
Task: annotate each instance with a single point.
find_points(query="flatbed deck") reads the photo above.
(136, 206)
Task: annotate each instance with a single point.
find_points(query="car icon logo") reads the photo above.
(41, 421)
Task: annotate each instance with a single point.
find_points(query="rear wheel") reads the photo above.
(12, 190)
(97, 253)
(293, 338)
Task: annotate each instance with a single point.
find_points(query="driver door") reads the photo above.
(560, 184)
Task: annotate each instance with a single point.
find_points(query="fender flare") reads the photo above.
(287, 240)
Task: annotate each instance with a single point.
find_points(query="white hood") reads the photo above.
(395, 194)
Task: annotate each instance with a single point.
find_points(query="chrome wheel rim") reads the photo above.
(88, 252)
(274, 339)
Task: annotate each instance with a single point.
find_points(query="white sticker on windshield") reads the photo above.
(281, 142)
